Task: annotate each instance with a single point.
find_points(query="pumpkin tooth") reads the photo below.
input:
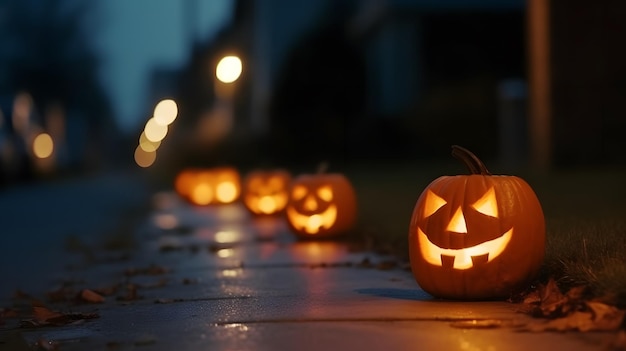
(446, 261)
(480, 259)
(462, 258)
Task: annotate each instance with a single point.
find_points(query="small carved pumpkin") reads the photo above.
(321, 205)
(207, 186)
(184, 182)
(477, 236)
(266, 192)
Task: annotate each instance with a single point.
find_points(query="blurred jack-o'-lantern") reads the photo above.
(206, 186)
(477, 236)
(184, 182)
(266, 192)
(321, 205)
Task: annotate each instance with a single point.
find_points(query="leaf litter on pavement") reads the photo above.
(573, 310)
(43, 316)
(555, 311)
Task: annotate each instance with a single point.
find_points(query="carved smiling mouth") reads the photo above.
(313, 223)
(462, 258)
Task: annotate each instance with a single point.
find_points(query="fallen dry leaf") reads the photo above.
(89, 296)
(532, 298)
(606, 317)
(582, 321)
(551, 299)
(547, 301)
(572, 311)
(43, 316)
(596, 317)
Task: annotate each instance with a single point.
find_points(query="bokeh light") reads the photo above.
(143, 158)
(155, 131)
(165, 112)
(228, 69)
(148, 145)
(43, 146)
(201, 194)
(22, 109)
(227, 236)
(226, 192)
(166, 221)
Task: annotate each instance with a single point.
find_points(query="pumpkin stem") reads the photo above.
(473, 163)
(322, 167)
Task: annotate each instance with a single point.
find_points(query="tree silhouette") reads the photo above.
(46, 51)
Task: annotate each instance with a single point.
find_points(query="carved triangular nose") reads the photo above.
(310, 204)
(457, 223)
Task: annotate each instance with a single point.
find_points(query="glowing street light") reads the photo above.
(154, 131)
(43, 145)
(143, 158)
(228, 69)
(165, 112)
(147, 145)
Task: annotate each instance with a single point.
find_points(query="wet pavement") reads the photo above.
(215, 278)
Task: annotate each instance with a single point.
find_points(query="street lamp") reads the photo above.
(228, 69)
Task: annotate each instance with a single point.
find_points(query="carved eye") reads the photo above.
(433, 203)
(325, 193)
(298, 192)
(487, 204)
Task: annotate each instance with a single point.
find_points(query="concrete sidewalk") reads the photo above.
(217, 279)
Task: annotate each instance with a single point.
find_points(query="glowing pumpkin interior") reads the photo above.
(462, 258)
(209, 186)
(316, 210)
(266, 193)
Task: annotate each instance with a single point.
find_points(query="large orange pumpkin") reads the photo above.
(265, 192)
(321, 205)
(477, 236)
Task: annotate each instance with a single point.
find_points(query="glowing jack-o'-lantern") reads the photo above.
(220, 185)
(321, 205)
(477, 236)
(266, 192)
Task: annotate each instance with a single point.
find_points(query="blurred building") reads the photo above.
(354, 79)
(49, 87)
